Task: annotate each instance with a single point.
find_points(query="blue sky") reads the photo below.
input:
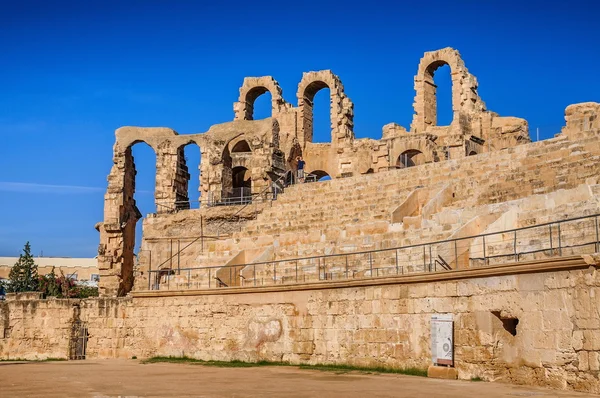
(73, 72)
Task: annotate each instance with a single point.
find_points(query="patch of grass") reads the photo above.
(322, 367)
(476, 378)
(33, 360)
(367, 369)
(221, 364)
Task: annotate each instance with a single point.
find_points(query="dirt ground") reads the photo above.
(129, 378)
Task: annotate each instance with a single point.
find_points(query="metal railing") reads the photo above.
(239, 197)
(267, 194)
(572, 236)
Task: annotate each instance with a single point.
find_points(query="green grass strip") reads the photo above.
(323, 367)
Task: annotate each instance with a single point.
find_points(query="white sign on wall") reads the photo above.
(442, 339)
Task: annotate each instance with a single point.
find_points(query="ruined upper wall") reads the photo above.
(465, 99)
(250, 155)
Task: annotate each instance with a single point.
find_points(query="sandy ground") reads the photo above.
(129, 378)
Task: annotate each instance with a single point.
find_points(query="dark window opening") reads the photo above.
(509, 323)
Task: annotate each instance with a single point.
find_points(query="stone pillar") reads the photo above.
(117, 232)
(171, 178)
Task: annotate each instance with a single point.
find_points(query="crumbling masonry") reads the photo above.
(249, 154)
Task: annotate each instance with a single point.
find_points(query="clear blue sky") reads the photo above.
(73, 72)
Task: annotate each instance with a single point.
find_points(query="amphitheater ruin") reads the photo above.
(471, 224)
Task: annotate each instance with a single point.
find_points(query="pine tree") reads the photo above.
(24, 274)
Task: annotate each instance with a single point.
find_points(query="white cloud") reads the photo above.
(27, 187)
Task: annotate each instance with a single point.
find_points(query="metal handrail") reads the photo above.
(218, 226)
(439, 242)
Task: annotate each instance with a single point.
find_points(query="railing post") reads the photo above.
(178, 257)
(229, 276)
(189, 277)
(424, 260)
(455, 254)
(296, 271)
(371, 263)
(596, 221)
(551, 244)
(346, 256)
(209, 278)
(202, 234)
(515, 247)
(397, 269)
(430, 259)
(274, 273)
(254, 274)
(150, 271)
(324, 269)
(559, 242)
(485, 262)
(171, 253)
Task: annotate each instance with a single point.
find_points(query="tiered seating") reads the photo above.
(354, 214)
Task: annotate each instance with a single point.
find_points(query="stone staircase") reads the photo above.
(355, 214)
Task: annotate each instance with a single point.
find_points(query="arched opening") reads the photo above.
(263, 107)
(472, 153)
(322, 116)
(292, 163)
(317, 119)
(139, 200)
(241, 181)
(410, 158)
(188, 171)
(258, 103)
(317, 175)
(438, 94)
(370, 171)
(226, 174)
(241, 146)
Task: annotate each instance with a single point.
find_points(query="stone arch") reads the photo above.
(116, 258)
(422, 150)
(410, 158)
(341, 108)
(241, 146)
(319, 174)
(185, 199)
(465, 99)
(226, 173)
(295, 151)
(472, 153)
(251, 89)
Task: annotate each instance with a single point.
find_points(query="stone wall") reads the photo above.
(556, 341)
(247, 155)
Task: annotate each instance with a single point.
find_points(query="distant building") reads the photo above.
(80, 269)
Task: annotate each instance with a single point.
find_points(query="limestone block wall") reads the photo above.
(117, 231)
(582, 119)
(555, 342)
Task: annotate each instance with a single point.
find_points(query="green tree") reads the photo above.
(24, 274)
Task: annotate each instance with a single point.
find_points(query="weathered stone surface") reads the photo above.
(442, 372)
(380, 325)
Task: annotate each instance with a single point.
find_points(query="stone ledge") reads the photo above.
(442, 372)
(557, 264)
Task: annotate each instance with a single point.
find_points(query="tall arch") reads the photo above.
(465, 99)
(117, 250)
(188, 176)
(341, 108)
(251, 89)
(226, 173)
